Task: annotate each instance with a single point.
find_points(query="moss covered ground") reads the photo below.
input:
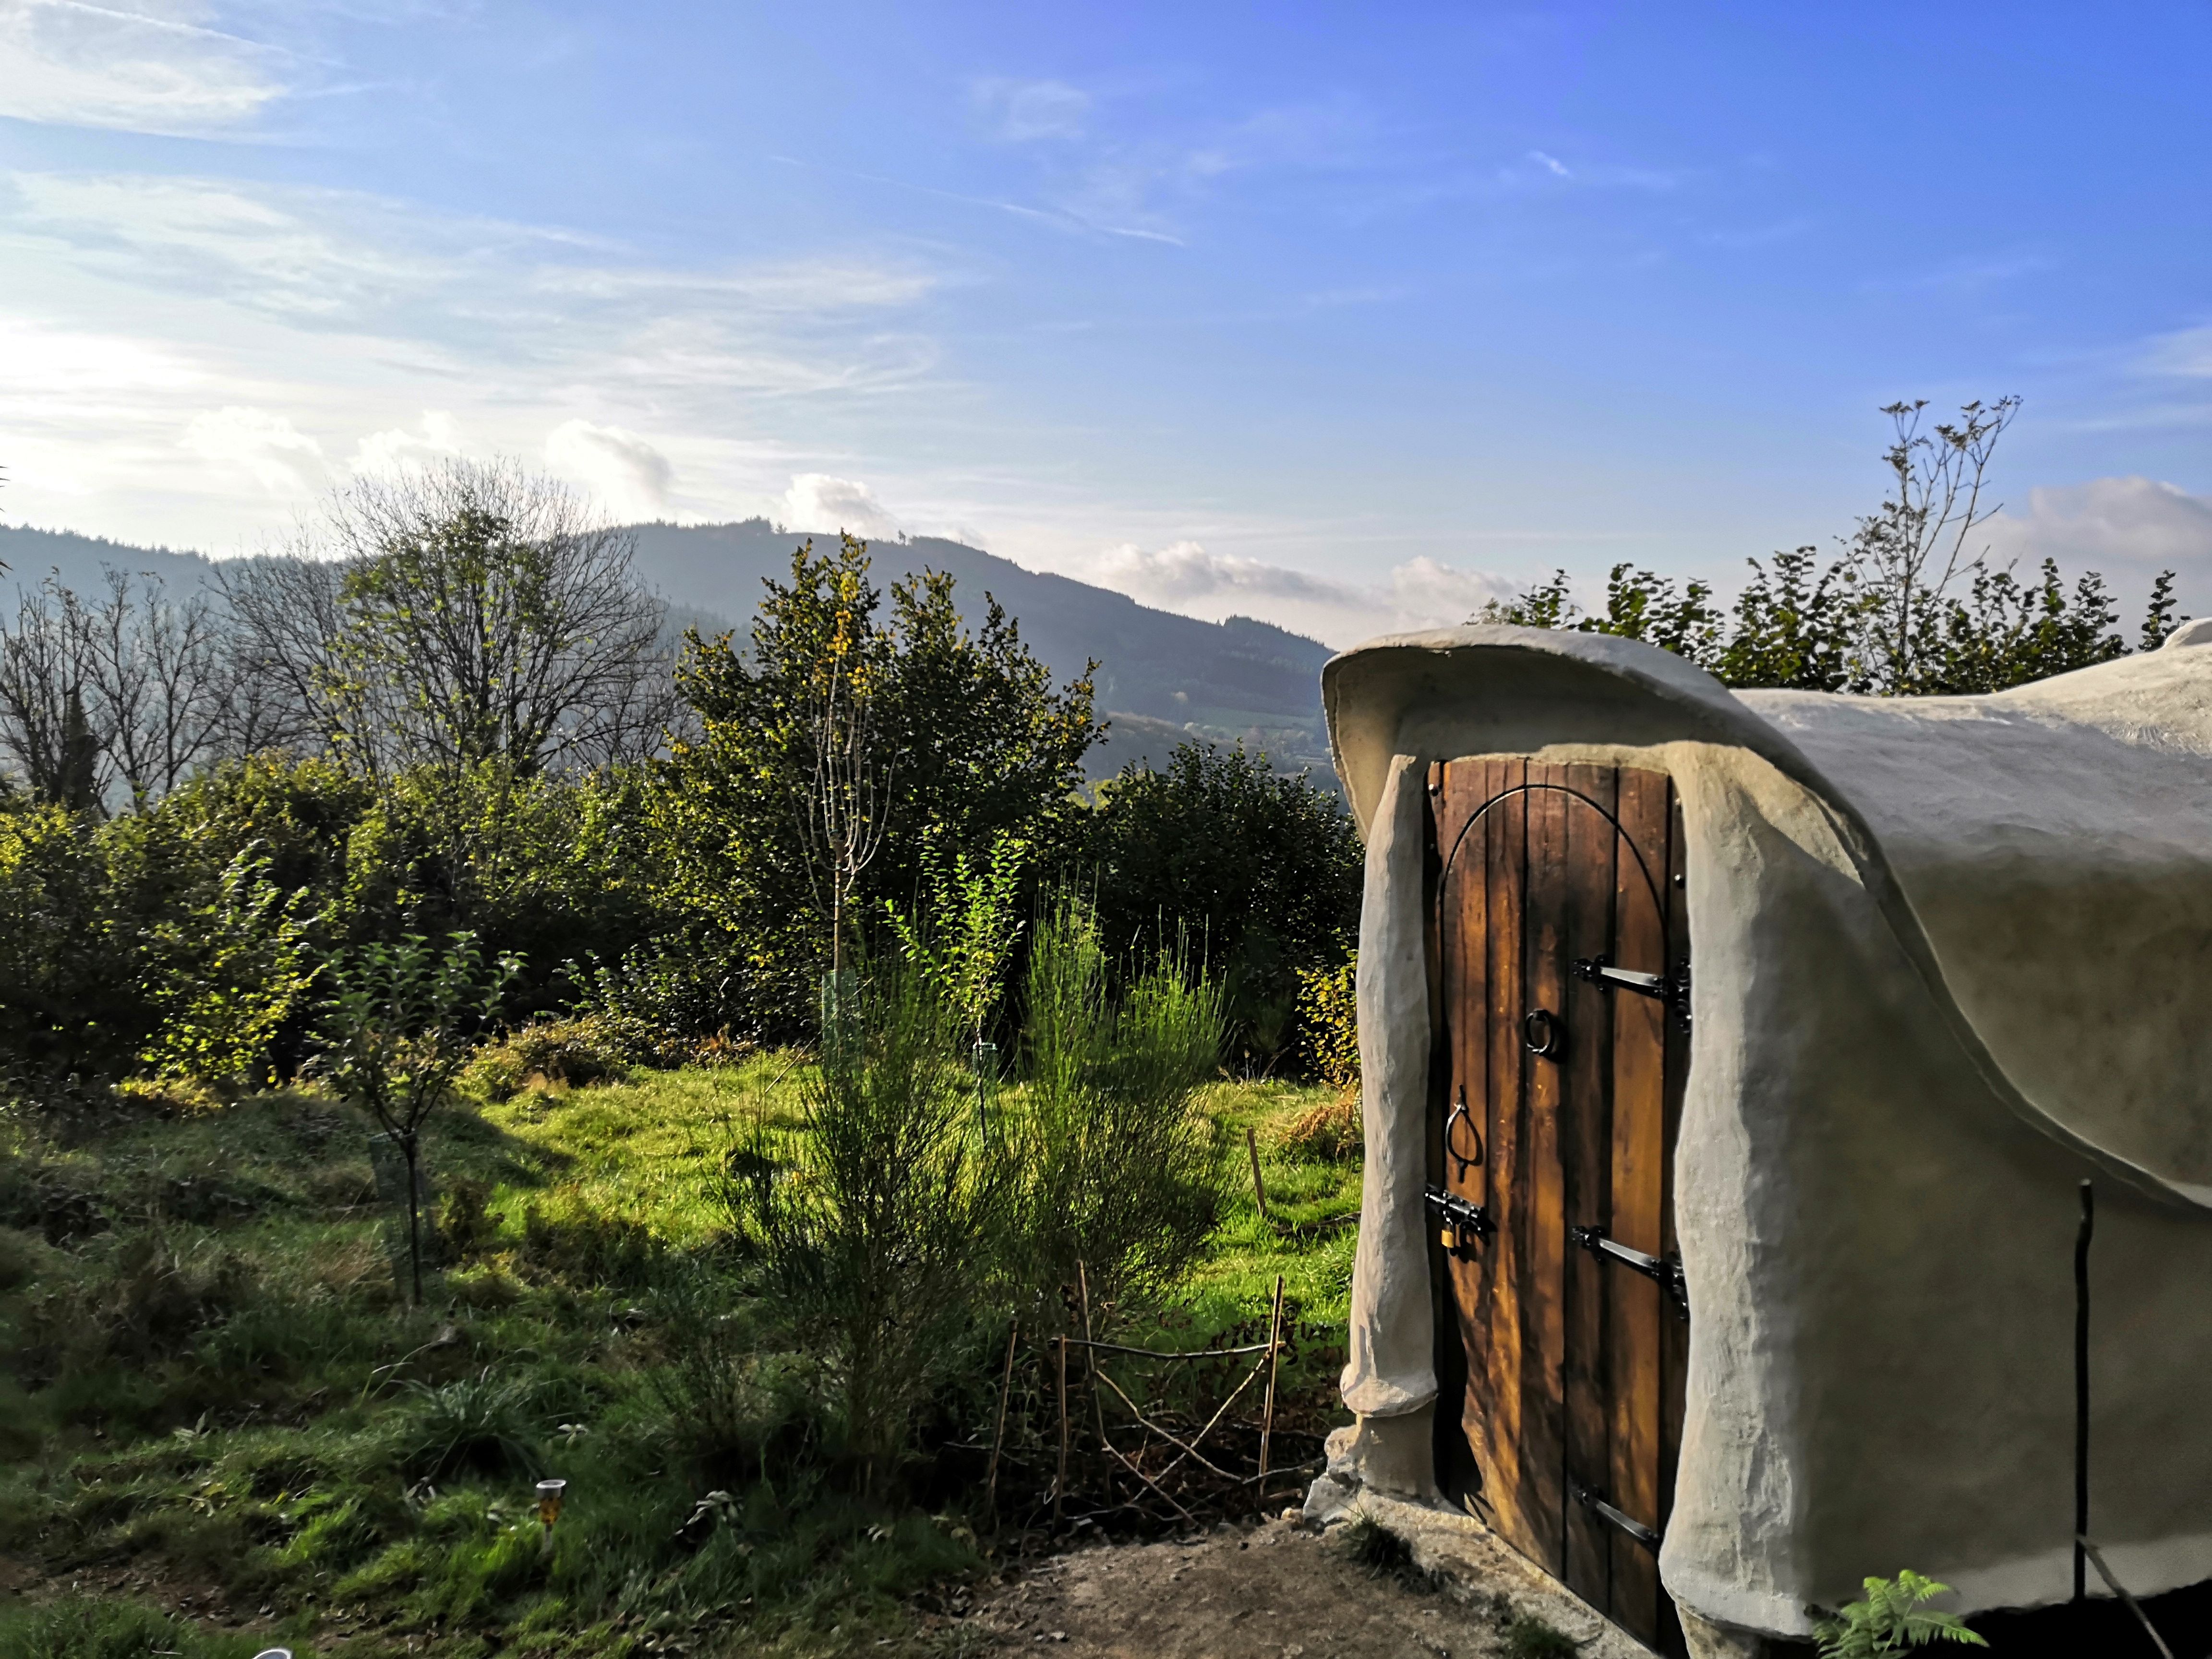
(222, 1426)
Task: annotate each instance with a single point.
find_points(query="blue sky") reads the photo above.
(1346, 317)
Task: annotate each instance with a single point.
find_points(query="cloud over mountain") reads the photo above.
(1185, 577)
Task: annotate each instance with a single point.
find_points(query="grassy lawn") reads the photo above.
(222, 1424)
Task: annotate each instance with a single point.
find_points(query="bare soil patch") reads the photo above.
(1271, 1591)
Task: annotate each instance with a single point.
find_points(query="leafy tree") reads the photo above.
(457, 615)
(70, 997)
(397, 1031)
(1791, 627)
(966, 741)
(1220, 856)
(1907, 608)
(961, 933)
(223, 975)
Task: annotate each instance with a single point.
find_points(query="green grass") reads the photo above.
(212, 1379)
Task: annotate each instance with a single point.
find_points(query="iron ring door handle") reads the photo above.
(1541, 1034)
(1459, 1112)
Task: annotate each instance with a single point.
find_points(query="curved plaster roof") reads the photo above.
(2043, 854)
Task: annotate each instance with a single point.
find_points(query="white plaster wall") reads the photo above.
(1876, 1199)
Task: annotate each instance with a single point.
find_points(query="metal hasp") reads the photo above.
(1667, 1270)
(1605, 1511)
(1671, 990)
(1460, 1225)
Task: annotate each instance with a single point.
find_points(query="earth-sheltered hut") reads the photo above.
(1732, 1063)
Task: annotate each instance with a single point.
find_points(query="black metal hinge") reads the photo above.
(1460, 1225)
(1672, 990)
(1605, 1511)
(1668, 1270)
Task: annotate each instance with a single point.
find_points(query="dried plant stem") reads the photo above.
(1259, 1187)
(1059, 1483)
(998, 1434)
(1274, 1357)
(1150, 1427)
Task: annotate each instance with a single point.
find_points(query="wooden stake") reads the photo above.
(1267, 1415)
(998, 1434)
(1060, 1483)
(1259, 1187)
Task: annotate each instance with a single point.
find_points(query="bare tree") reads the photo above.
(49, 703)
(158, 671)
(457, 614)
(293, 684)
(1903, 558)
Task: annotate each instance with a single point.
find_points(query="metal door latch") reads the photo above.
(1465, 1160)
(1605, 1511)
(1671, 990)
(1460, 1225)
(1668, 1270)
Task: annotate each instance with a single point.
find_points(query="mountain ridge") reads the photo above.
(1162, 675)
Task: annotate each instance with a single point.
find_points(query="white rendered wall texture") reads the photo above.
(1949, 961)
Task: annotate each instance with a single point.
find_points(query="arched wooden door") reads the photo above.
(1559, 955)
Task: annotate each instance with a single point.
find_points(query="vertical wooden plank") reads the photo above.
(1505, 877)
(1674, 1332)
(1543, 1239)
(1637, 1216)
(1586, 1157)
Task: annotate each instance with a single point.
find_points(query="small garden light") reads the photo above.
(549, 1506)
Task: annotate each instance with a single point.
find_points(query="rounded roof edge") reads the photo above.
(1367, 690)
(1437, 689)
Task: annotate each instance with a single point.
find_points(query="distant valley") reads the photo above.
(1162, 677)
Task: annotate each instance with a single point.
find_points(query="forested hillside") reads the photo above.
(1161, 677)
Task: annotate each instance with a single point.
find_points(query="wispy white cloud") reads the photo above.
(155, 67)
(281, 459)
(2186, 351)
(131, 299)
(2129, 528)
(1550, 163)
(1183, 576)
(1022, 111)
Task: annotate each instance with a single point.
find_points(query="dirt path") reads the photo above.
(1275, 1591)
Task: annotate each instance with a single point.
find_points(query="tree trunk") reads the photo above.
(409, 1146)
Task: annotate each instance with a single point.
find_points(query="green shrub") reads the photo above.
(223, 973)
(485, 1425)
(588, 1048)
(1328, 1019)
(1119, 1171)
(869, 1226)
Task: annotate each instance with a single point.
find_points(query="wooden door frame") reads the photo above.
(1591, 1555)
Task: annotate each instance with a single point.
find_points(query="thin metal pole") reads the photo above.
(2082, 1389)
